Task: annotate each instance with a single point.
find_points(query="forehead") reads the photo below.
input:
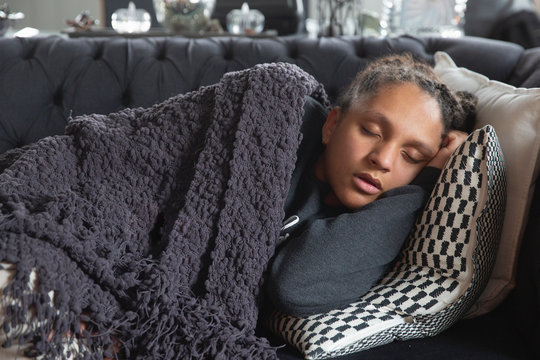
(405, 109)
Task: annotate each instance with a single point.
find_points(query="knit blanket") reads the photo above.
(154, 226)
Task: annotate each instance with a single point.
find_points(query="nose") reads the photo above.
(382, 157)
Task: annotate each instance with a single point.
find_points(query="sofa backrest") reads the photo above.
(44, 81)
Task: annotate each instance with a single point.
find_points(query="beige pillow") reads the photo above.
(515, 115)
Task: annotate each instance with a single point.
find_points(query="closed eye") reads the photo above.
(411, 159)
(369, 133)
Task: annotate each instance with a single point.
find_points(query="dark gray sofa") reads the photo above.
(44, 81)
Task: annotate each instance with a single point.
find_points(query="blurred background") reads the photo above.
(52, 14)
(511, 20)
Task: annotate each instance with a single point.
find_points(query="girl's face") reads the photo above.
(379, 144)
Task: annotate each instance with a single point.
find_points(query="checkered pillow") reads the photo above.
(442, 269)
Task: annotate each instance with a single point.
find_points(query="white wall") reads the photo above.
(51, 14)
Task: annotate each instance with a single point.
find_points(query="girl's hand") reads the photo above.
(450, 143)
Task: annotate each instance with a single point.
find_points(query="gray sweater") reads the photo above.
(332, 256)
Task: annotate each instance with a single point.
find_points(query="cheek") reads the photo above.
(353, 145)
(346, 148)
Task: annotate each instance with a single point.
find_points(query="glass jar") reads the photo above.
(188, 16)
(339, 17)
(245, 20)
(7, 18)
(131, 20)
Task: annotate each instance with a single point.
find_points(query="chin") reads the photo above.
(355, 204)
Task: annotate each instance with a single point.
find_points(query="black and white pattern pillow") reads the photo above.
(441, 271)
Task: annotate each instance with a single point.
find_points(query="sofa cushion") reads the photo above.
(515, 115)
(45, 80)
(441, 271)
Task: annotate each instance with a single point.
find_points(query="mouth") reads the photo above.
(367, 184)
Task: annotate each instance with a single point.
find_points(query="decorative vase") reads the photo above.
(245, 20)
(184, 16)
(338, 17)
(8, 18)
(131, 20)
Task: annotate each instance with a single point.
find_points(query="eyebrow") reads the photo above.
(414, 143)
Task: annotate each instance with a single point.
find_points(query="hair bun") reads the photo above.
(465, 115)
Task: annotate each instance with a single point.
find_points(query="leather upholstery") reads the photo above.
(43, 81)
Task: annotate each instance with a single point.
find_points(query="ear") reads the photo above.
(330, 124)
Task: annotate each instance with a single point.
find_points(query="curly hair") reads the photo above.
(458, 109)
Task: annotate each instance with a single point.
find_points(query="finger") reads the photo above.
(447, 141)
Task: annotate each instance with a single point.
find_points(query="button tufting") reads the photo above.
(162, 54)
(28, 52)
(99, 53)
(126, 98)
(360, 51)
(228, 54)
(58, 97)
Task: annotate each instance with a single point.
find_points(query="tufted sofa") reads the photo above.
(44, 81)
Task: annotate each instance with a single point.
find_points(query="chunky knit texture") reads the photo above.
(155, 226)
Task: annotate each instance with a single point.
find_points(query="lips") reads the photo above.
(367, 184)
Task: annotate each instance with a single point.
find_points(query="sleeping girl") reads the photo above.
(360, 182)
